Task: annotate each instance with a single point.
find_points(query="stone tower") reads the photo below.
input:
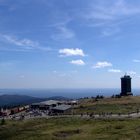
(126, 86)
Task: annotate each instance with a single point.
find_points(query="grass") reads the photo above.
(78, 128)
(115, 105)
(71, 129)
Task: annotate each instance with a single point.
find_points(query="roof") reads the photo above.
(74, 101)
(48, 102)
(35, 104)
(126, 77)
(62, 107)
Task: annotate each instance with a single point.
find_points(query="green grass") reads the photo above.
(71, 129)
(107, 108)
(122, 105)
(78, 128)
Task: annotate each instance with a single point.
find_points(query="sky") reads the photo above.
(69, 43)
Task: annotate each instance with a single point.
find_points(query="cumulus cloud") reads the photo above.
(114, 70)
(71, 52)
(102, 64)
(78, 62)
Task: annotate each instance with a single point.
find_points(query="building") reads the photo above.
(71, 102)
(61, 109)
(45, 105)
(126, 86)
(4, 112)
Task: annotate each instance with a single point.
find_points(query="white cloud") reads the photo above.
(109, 11)
(114, 70)
(110, 31)
(110, 15)
(78, 62)
(71, 52)
(136, 60)
(23, 44)
(63, 33)
(131, 72)
(102, 64)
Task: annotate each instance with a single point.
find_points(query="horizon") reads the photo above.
(74, 44)
(69, 93)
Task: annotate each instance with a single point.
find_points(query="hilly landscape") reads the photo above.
(13, 100)
(74, 127)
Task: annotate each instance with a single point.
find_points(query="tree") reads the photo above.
(3, 121)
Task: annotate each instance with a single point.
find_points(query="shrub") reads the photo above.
(3, 121)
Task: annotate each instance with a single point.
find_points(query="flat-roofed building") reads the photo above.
(62, 109)
(45, 105)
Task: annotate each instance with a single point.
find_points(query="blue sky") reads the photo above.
(69, 43)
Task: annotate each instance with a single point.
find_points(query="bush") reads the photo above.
(3, 121)
(99, 97)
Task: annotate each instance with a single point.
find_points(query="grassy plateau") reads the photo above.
(71, 129)
(74, 128)
(122, 105)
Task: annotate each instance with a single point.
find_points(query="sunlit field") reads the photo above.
(70, 129)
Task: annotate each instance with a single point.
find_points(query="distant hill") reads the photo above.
(60, 98)
(13, 100)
